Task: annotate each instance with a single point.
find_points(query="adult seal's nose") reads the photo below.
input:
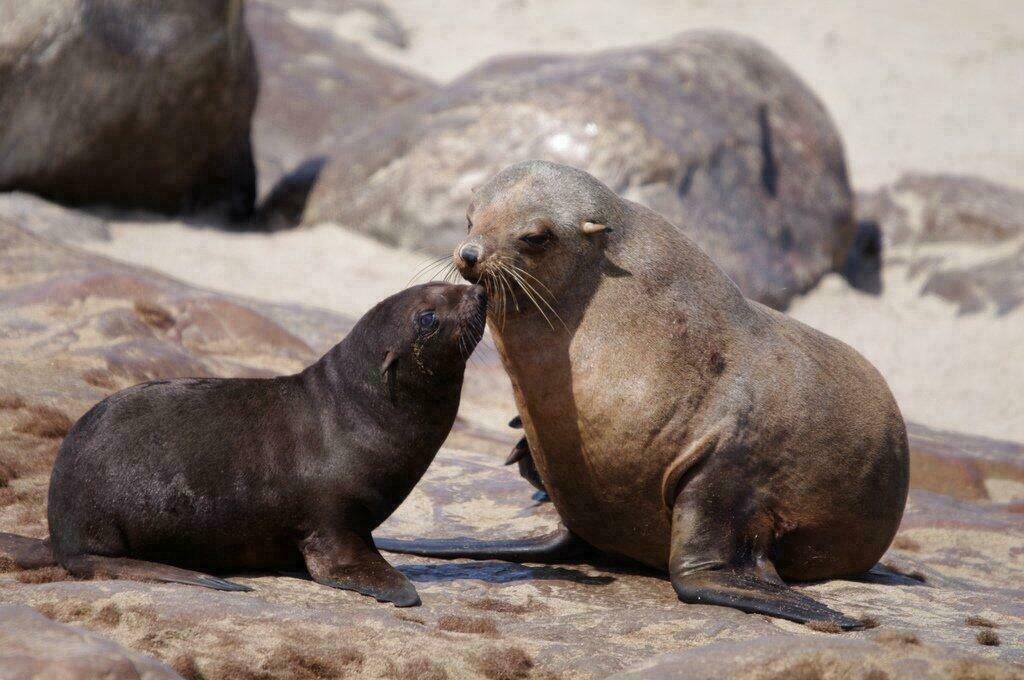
(470, 254)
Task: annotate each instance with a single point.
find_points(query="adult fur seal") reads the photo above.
(672, 420)
(238, 474)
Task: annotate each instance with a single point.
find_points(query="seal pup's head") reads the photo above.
(535, 230)
(425, 332)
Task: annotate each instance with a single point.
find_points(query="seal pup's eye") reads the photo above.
(427, 321)
(537, 240)
(469, 224)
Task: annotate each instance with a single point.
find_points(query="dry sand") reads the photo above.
(932, 86)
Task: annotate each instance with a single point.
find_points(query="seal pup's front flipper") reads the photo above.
(99, 567)
(348, 561)
(560, 547)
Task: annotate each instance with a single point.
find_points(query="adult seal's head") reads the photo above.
(537, 229)
(170, 479)
(670, 419)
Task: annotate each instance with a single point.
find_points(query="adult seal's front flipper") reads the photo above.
(559, 547)
(749, 592)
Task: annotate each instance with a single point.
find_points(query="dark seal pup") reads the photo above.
(236, 474)
(670, 419)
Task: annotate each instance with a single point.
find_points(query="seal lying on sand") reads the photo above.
(671, 420)
(228, 475)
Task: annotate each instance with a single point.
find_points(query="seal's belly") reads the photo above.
(603, 468)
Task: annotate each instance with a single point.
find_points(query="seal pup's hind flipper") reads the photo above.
(350, 562)
(749, 592)
(559, 547)
(99, 567)
(26, 553)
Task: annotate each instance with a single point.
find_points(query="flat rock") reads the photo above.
(33, 646)
(709, 129)
(128, 104)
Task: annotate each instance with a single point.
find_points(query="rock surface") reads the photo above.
(128, 103)
(709, 129)
(74, 327)
(963, 236)
(33, 646)
(313, 86)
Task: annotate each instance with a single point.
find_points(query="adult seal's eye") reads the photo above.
(536, 240)
(427, 321)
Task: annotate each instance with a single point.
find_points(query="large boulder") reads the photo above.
(709, 129)
(129, 103)
(314, 86)
(962, 236)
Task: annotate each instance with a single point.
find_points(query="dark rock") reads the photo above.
(863, 266)
(709, 129)
(314, 86)
(128, 103)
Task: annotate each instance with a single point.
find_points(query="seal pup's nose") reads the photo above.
(470, 254)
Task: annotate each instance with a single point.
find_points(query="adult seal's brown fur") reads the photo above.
(673, 421)
(229, 475)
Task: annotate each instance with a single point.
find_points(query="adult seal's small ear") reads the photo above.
(591, 228)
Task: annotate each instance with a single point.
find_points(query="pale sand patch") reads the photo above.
(323, 266)
(961, 373)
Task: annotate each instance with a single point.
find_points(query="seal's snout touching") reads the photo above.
(470, 254)
(468, 260)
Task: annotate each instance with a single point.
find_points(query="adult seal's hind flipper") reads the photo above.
(749, 592)
(559, 547)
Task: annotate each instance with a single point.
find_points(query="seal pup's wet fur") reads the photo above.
(228, 475)
(670, 419)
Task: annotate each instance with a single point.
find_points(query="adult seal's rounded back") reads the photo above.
(671, 420)
(227, 475)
